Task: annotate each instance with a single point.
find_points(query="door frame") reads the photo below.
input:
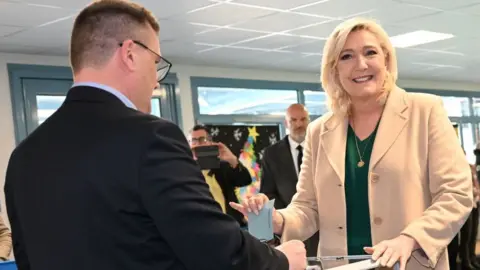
(21, 101)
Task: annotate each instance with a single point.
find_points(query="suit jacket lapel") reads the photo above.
(334, 139)
(394, 119)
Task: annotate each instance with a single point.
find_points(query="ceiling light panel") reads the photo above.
(278, 4)
(417, 38)
(224, 14)
(279, 22)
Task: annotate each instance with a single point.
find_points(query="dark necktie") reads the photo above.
(299, 157)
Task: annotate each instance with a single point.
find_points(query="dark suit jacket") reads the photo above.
(279, 181)
(230, 178)
(279, 177)
(102, 186)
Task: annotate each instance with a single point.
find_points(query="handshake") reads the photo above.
(294, 250)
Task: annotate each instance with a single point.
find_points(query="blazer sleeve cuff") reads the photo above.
(426, 255)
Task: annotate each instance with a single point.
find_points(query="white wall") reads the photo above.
(7, 136)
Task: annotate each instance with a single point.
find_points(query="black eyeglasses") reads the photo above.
(163, 65)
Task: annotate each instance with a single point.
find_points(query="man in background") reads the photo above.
(104, 185)
(222, 181)
(281, 165)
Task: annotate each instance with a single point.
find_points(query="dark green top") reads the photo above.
(356, 192)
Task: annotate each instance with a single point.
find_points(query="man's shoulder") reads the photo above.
(278, 146)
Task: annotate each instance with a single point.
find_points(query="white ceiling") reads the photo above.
(267, 34)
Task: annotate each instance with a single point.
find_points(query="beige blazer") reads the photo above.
(5, 241)
(420, 181)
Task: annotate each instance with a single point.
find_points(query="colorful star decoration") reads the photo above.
(252, 132)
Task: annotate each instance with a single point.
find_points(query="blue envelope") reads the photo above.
(261, 225)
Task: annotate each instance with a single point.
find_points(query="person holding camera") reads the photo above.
(223, 180)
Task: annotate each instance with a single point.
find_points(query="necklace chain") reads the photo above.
(360, 163)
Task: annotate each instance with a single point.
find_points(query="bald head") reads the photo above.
(297, 120)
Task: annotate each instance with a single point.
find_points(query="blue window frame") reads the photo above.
(37, 91)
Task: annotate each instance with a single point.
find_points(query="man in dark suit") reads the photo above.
(102, 184)
(281, 165)
(222, 181)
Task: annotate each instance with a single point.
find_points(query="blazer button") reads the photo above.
(378, 221)
(375, 177)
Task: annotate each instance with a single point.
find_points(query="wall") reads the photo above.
(7, 137)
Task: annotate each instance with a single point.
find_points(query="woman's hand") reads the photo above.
(254, 204)
(392, 251)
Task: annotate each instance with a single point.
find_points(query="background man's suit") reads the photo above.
(279, 181)
(101, 186)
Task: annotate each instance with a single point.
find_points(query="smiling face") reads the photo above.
(361, 65)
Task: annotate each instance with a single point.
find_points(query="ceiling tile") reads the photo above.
(7, 30)
(315, 47)
(174, 30)
(20, 48)
(457, 24)
(473, 10)
(441, 4)
(180, 49)
(397, 13)
(275, 42)
(20, 14)
(321, 30)
(167, 8)
(226, 53)
(344, 8)
(278, 4)
(73, 5)
(58, 34)
(280, 22)
(224, 14)
(225, 36)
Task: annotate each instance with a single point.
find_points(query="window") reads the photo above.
(456, 106)
(47, 105)
(225, 101)
(316, 102)
(38, 91)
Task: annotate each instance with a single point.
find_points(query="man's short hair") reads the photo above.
(200, 127)
(101, 27)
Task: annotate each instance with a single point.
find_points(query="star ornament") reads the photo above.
(252, 132)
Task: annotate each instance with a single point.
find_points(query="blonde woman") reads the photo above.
(383, 172)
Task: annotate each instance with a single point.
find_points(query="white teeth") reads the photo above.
(363, 79)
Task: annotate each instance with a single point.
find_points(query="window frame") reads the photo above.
(20, 97)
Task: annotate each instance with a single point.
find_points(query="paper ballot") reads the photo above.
(261, 225)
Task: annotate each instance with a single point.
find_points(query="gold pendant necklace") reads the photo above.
(361, 163)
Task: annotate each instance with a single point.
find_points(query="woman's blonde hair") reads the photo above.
(339, 100)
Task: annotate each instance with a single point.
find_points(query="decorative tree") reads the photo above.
(249, 160)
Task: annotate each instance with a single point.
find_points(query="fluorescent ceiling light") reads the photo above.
(418, 37)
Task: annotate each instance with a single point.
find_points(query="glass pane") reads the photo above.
(456, 106)
(468, 142)
(219, 100)
(316, 102)
(47, 105)
(476, 106)
(155, 107)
